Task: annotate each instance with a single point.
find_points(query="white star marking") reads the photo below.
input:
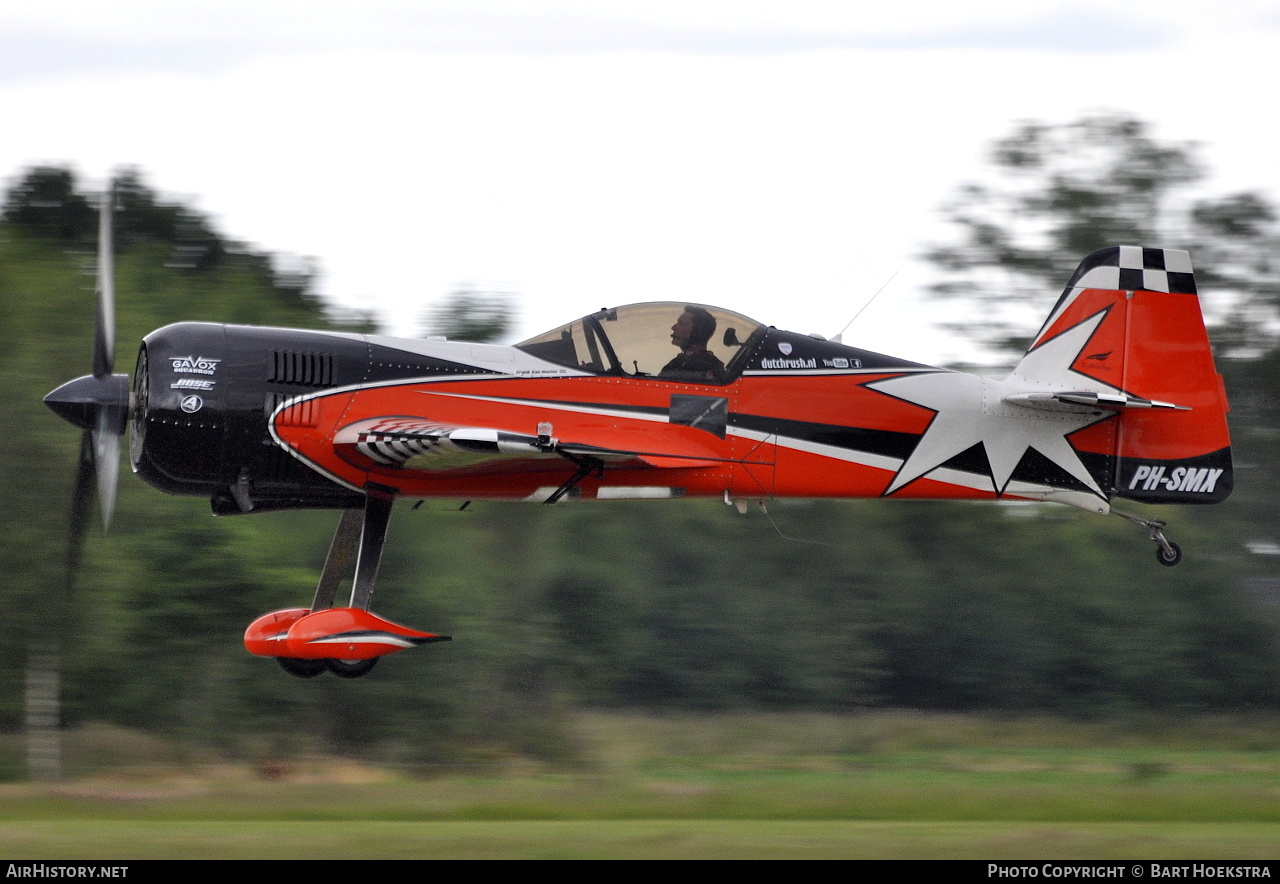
(972, 410)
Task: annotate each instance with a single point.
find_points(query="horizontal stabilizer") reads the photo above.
(1070, 400)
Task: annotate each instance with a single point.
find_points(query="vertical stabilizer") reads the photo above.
(1140, 350)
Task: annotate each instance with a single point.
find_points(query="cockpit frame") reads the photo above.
(637, 341)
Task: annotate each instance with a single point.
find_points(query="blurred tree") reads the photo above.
(1060, 192)
(471, 313)
(142, 217)
(44, 204)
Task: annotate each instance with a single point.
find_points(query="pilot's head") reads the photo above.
(694, 328)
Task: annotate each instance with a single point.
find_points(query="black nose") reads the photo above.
(82, 401)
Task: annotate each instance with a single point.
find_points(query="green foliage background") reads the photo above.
(654, 606)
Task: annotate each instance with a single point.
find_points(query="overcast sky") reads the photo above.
(780, 159)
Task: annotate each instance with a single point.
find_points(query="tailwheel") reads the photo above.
(1168, 553)
(301, 668)
(350, 668)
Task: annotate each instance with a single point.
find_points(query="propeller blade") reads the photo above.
(106, 463)
(80, 506)
(104, 340)
(97, 403)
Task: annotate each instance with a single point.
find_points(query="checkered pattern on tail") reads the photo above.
(1124, 269)
(1132, 268)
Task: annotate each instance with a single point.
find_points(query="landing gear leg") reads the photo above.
(365, 530)
(347, 641)
(1168, 553)
(344, 542)
(377, 515)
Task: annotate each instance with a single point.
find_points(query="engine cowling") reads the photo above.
(202, 398)
(178, 420)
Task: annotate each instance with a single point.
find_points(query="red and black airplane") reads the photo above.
(1117, 396)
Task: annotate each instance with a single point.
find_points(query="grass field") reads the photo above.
(875, 786)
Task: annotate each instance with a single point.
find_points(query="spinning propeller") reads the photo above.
(98, 403)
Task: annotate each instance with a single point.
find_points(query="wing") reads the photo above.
(413, 443)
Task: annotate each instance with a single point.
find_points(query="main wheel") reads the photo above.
(351, 668)
(1169, 557)
(301, 668)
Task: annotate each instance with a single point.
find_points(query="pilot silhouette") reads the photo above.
(690, 333)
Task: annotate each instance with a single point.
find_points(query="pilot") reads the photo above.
(690, 333)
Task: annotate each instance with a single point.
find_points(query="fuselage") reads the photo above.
(254, 418)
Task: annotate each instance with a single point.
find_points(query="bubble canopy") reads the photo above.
(646, 340)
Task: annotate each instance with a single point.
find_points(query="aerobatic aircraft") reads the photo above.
(1116, 397)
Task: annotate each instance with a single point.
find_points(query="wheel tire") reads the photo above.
(351, 668)
(1170, 558)
(301, 668)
